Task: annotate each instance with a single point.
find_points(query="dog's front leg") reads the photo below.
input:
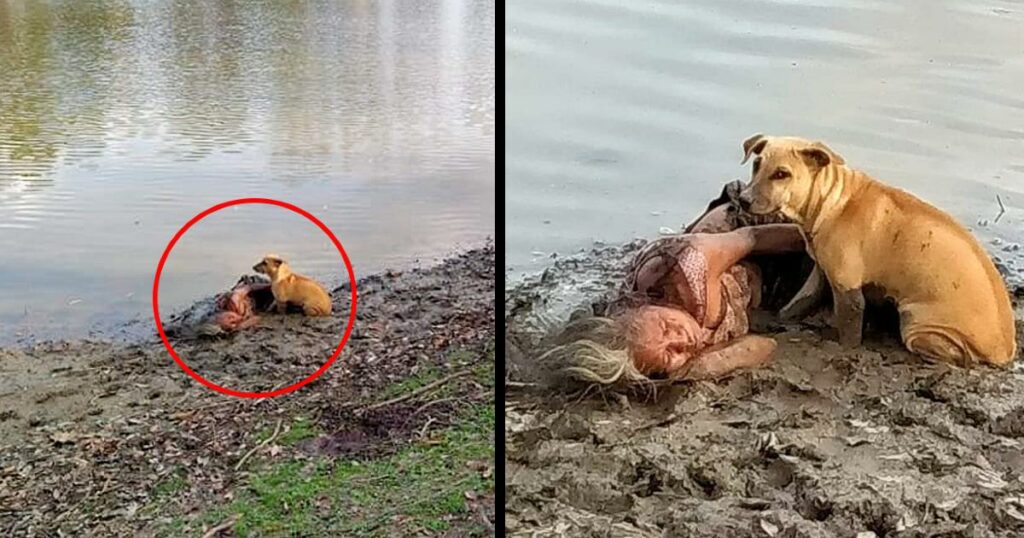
(279, 306)
(805, 300)
(849, 315)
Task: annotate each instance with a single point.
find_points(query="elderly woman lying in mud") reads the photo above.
(227, 313)
(683, 310)
(236, 309)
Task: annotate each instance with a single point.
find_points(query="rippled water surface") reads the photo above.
(624, 117)
(121, 120)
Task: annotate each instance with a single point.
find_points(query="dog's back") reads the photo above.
(307, 292)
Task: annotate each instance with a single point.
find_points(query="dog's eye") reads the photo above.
(780, 174)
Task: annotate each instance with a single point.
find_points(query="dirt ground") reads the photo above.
(91, 431)
(824, 442)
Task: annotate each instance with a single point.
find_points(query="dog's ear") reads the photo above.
(821, 155)
(753, 146)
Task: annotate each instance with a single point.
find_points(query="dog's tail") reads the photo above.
(593, 350)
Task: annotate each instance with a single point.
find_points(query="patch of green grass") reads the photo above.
(301, 430)
(484, 374)
(174, 483)
(461, 357)
(175, 528)
(423, 377)
(421, 488)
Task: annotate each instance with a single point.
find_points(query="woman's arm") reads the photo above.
(746, 352)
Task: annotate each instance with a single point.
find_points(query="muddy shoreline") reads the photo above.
(88, 429)
(824, 442)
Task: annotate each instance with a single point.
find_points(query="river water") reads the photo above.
(625, 117)
(121, 120)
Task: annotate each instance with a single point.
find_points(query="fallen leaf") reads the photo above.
(769, 528)
(855, 441)
(907, 521)
(62, 438)
(1013, 512)
(990, 480)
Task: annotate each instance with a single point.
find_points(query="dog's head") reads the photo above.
(783, 173)
(269, 265)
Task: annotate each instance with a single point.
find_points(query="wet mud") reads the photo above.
(823, 442)
(89, 429)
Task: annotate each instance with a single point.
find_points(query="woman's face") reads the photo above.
(662, 339)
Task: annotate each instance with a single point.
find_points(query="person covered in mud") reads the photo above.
(236, 309)
(682, 312)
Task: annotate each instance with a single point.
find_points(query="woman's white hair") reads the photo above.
(593, 350)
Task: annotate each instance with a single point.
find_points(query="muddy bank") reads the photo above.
(89, 430)
(824, 442)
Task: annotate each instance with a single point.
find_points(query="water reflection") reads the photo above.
(637, 109)
(119, 120)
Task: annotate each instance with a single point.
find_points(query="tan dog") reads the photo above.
(952, 302)
(291, 288)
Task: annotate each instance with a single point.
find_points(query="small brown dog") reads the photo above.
(291, 288)
(867, 236)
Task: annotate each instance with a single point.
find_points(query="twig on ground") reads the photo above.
(657, 423)
(423, 431)
(590, 388)
(1002, 209)
(481, 511)
(417, 392)
(224, 525)
(429, 404)
(266, 441)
